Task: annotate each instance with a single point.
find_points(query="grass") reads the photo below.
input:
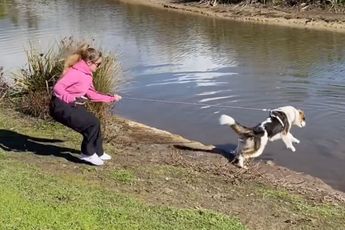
(301, 207)
(123, 176)
(33, 197)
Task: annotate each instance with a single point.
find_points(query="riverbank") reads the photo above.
(181, 183)
(298, 17)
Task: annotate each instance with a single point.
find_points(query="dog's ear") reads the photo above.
(301, 115)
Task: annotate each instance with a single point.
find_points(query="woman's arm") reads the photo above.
(95, 96)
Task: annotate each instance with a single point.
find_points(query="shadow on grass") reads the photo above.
(16, 142)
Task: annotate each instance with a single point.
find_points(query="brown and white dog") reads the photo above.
(252, 141)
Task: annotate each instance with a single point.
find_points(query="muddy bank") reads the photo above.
(312, 18)
(220, 185)
(208, 158)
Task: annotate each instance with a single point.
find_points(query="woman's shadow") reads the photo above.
(16, 142)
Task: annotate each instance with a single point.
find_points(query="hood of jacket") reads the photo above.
(82, 67)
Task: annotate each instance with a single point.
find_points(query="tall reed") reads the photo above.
(106, 79)
(33, 85)
(4, 87)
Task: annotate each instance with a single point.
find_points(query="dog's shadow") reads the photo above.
(12, 141)
(226, 151)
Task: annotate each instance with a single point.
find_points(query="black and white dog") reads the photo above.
(252, 141)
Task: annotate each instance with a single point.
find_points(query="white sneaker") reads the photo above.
(105, 157)
(93, 159)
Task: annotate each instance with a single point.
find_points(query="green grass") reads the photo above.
(123, 176)
(301, 207)
(33, 199)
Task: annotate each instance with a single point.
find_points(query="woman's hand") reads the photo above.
(117, 97)
(80, 100)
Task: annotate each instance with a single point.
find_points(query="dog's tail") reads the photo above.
(226, 120)
(237, 127)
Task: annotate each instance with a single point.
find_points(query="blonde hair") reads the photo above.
(84, 52)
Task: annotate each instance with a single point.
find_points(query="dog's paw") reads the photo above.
(292, 149)
(241, 166)
(296, 141)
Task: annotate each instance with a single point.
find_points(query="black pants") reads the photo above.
(79, 119)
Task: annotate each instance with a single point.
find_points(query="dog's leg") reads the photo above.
(276, 137)
(288, 142)
(293, 139)
(240, 157)
(214, 3)
(240, 162)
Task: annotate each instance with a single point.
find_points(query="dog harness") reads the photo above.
(276, 117)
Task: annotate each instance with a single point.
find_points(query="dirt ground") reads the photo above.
(210, 181)
(172, 171)
(207, 158)
(307, 17)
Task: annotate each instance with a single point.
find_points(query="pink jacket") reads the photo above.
(77, 82)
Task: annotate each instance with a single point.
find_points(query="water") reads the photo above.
(176, 57)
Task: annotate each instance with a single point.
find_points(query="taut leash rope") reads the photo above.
(192, 103)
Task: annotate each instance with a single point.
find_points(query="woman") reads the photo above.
(69, 96)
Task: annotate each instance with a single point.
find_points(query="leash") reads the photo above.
(192, 103)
